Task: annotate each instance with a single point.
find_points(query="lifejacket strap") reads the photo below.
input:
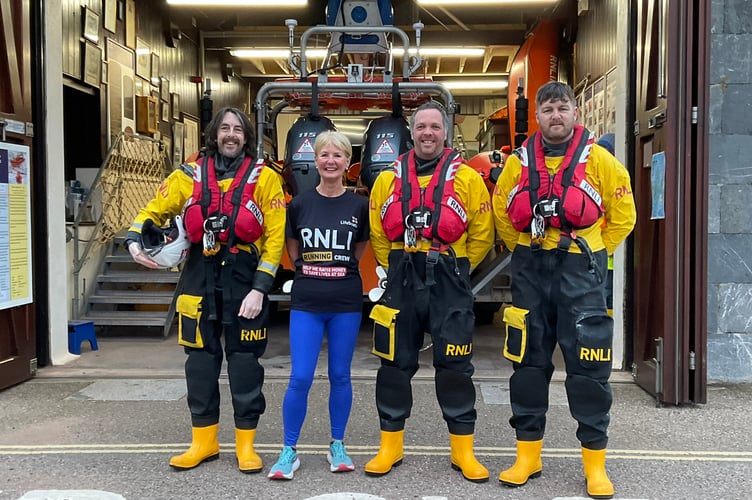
(432, 258)
(210, 305)
(565, 241)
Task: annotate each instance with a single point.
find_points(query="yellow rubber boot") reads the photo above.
(204, 447)
(248, 460)
(596, 479)
(527, 466)
(389, 455)
(463, 458)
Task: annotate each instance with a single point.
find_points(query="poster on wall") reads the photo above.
(130, 24)
(599, 107)
(15, 226)
(581, 108)
(178, 135)
(121, 90)
(658, 185)
(110, 15)
(589, 117)
(192, 138)
(611, 101)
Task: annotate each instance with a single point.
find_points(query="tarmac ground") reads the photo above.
(104, 426)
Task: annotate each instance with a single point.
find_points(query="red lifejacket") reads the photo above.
(448, 217)
(565, 200)
(236, 208)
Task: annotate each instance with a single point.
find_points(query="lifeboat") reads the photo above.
(355, 101)
(537, 63)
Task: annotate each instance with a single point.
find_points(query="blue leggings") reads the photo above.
(306, 335)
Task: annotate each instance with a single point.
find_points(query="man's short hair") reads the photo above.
(431, 105)
(554, 91)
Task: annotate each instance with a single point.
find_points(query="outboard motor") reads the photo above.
(384, 140)
(299, 170)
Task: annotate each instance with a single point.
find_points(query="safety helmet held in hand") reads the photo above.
(167, 247)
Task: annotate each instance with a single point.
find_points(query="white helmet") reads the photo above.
(167, 247)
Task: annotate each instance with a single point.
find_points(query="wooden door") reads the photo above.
(670, 179)
(17, 324)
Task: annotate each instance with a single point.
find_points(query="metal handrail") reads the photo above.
(277, 89)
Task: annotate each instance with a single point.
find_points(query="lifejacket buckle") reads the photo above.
(546, 208)
(420, 218)
(215, 224)
(565, 241)
(432, 256)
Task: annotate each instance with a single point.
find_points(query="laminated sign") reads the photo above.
(15, 226)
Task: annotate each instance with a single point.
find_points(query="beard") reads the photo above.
(560, 134)
(230, 149)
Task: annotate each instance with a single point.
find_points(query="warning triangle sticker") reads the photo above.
(385, 148)
(306, 147)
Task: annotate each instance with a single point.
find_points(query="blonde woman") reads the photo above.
(327, 231)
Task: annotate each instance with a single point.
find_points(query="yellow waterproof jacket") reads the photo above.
(605, 173)
(474, 244)
(178, 187)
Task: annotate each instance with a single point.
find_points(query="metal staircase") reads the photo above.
(127, 294)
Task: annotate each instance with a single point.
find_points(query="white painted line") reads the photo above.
(345, 496)
(70, 495)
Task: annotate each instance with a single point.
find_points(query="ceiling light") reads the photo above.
(240, 3)
(274, 53)
(474, 84)
(443, 51)
(279, 53)
(479, 2)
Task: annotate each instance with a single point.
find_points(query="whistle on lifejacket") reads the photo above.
(211, 247)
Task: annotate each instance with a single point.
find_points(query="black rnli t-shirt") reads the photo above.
(326, 274)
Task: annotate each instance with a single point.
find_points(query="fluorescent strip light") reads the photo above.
(240, 3)
(273, 53)
(443, 51)
(474, 84)
(277, 53)
(480, 2)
